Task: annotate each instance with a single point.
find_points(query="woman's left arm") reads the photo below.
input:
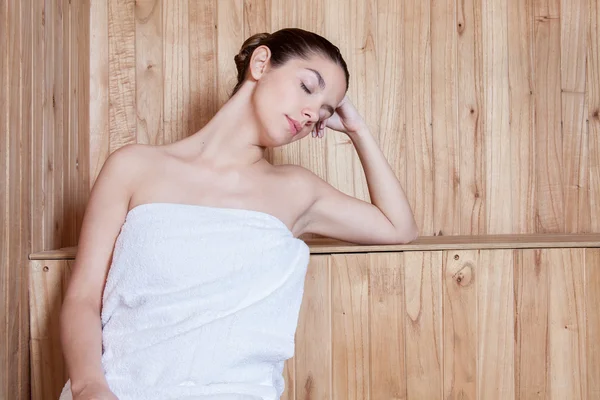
(389, 219)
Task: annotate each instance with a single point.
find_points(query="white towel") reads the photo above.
(201, 303)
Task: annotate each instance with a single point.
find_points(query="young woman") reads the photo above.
(189, 273)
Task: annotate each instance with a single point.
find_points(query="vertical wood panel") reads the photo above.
(470, 118)
(574, 29)
(593, 113)
(419, 137)
(422, 282)
(349, 327)
(386, 324)
(99, 135)
(4, 205)
(566, 323)
(149, 76)
(121, 73)
(548, 136)
(531, 324)
(230, 31)
(592, 299)
(391, 134)
(176, 54)
(47, 285)
(446, 141)
(459, 304)
(495, 319)
(522, 138)
(312, 360)
(496, 116)
(203, 62)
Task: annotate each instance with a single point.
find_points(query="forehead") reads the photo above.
(332, 73)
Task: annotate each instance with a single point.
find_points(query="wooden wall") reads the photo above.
(487, 109)
(44, 152)
(453, 324)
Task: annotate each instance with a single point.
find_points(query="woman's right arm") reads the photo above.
(80, 325)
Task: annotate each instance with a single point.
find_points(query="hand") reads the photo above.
(345, 119)
(94, 391)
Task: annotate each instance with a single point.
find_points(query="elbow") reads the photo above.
(407, 235)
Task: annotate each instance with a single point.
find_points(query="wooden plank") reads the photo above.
(386, 324)
(47, 285)
(5, 181)
(149, 71)
(99, 135)
(203, 62)
(574, 25)
(566, 324)
(459, 304)
(79, 160)
(531, 324)
(575, 157)
(121, 74)
(419, 137)
(470, 122)
(313, 362)
(37, 140)
(574, 29)
(548, 136)
(496, 117)
(444, 114)
(323, 246)
(176, 55)
(349, 327)
(289, 373)
(423, 324)
(391, 134)
(21, 206)
(593, 114)
(592, 299)
(495, 326)
(230, 20)
(522, 137)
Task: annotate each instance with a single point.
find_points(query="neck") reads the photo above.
(230, 138)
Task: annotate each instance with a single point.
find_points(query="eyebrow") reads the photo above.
(322, 86)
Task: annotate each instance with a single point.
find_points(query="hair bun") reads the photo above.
(248, 47)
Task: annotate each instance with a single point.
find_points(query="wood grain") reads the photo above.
(423, 321)
(531, 280)
(522, 115)
(350, 327)
(495, 318)
(387, 327)
(548, 134)
(496, 116)
(592, 335)
(444, 114)
(313, 355)
(121, 73)
(459, 305)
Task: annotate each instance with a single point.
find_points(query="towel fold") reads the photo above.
(201, 303)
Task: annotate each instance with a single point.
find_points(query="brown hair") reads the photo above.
(286, 44)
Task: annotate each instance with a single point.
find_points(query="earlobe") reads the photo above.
(260, 61)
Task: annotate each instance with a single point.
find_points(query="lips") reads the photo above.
(295, 126)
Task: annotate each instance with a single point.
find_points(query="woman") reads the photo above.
(189, 273)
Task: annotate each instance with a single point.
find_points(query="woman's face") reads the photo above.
(291, 99)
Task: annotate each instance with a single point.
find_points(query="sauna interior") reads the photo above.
(488, 112)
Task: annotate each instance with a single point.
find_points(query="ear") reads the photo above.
(259, 63)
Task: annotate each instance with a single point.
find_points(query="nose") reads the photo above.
(310, 115)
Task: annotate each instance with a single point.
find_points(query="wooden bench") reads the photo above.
(505, 316)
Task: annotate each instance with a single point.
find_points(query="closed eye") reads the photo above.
(305, 88)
